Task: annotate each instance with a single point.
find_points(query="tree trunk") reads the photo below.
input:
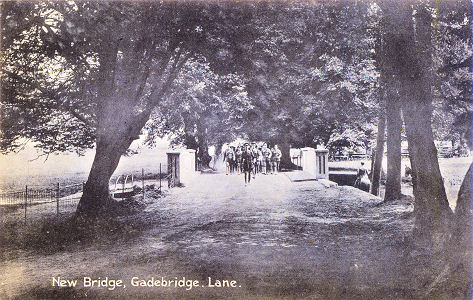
(96, 190)
(431, 209)
(431, 205)
(110, 112)
(393, 143)
(203, 143)
(407, 57)
(378, 155)
(464, 209)
(204, 156)
(462, 235)
(452, 270)
(115, 136)
(286, 162)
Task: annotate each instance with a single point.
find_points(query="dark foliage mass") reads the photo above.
(303, 73)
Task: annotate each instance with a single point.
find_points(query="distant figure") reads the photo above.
(361, 170)
(362, 181)
(276, 158)
(247, 163)
(254, 153)
(260, 160)
(266, 159)
(238, 153)
(228, 157)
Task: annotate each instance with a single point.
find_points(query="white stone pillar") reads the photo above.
(174, 163)
(187, 165)
(308, 160)
(181, 164)
(321, 163)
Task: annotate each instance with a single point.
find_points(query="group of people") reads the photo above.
(251, 158)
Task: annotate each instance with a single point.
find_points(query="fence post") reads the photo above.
(160, 177)
(26, 200)
(143, 181)
(57, 199)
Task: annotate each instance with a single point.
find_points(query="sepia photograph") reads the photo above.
(236, 149)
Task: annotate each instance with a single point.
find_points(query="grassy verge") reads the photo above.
(67, 232)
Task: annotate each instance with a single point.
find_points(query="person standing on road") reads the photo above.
(254, 153)
(228, 156)
(362, 181)
(276, 158)
(238, 153)
(247, 163)
(361, 170)
(260, 160)
(266, 159)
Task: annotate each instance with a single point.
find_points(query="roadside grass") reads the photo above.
(67, 232)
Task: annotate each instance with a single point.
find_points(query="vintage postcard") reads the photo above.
(227, 149)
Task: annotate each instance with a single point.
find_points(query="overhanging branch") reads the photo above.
(173, 72)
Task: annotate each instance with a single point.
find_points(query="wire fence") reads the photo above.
(38, 201)
(38, 195)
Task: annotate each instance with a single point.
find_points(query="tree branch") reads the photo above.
(173, 72)
(148, 71)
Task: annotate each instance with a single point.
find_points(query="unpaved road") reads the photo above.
(275, 238)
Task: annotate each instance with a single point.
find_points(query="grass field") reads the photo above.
(45, 174)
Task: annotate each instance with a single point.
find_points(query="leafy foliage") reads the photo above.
(203, 107)
(453, 89)
(305, 73)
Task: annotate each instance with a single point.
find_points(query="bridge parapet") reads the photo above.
(181, 166)
(315, 162)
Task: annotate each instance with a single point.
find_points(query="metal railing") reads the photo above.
(41, 201)
(37, 195)
(55, 200)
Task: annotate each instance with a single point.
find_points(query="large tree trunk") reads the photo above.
(286, 162)
(96, 193)
(129, 86)
(431, 205)
(96, 190)
(203, 143)
(393, 143)
(115, 135)
(462, 234)
(408, 58)
(204, 156)
(379, 153)
(431, 209)
(452, 270)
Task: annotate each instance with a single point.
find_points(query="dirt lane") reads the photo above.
(276, 238)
